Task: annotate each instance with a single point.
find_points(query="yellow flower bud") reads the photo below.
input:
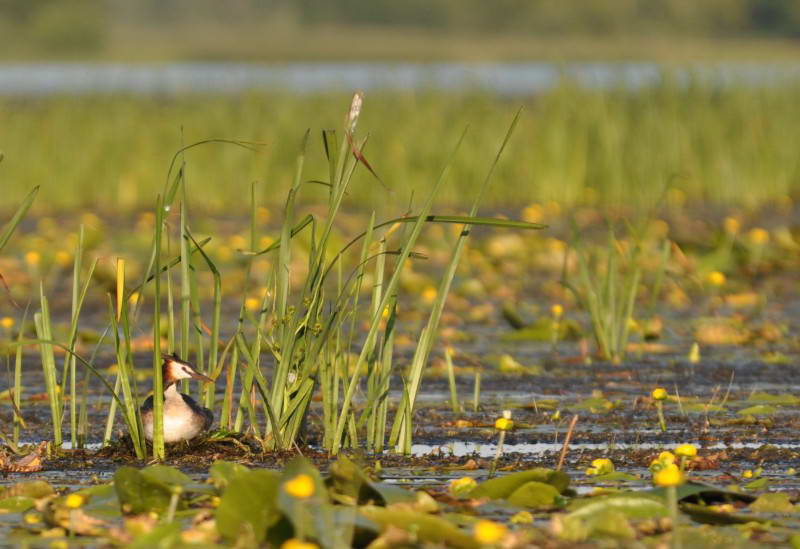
(503, 424)
(670, 475)
(294, 543)
(686, 451)
(715, 278)
(7, 322)
(758, 236)
(301, 486)
(73, 501)
(659, 393)
(252, 304)
(462, 486)
(731, 225)
(557, 310)
(666, 457)
(489, 532)
(33, 258)
(64, 259)
(429, 294)
(603, 466)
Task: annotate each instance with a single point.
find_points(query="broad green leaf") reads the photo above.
(248, 506)
(16, 504)
(138, 494)
(223, 472)
(502, 487)
(758, 484)
(777, 400)
(616, 476)
(31, 488)
(700, 408)
(632, 505)
(758, 410)
(698, 491)
(534, 494)
(708, 515)
(165, 475)
(428, 528)
(163, 536)
(311, 516)
(605, 522)
(773, 503)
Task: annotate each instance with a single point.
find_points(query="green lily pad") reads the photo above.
(633, 505)
(311, 515)
(758, 410)
(102, 501)
(707, 515)
(534, 494)
(604, 522)
(758, 484)
(223, 472)
(773, 503)
(165, 475)
(502, 487)
(137, 493)
(162, 536)
(777, 400)
(700, 408)
(616, 476)
(248, 506)
(427, 528)
(699, 491)
(542, 330)
(348, 480)
(34, 489)
(16, 504)
(595, 405)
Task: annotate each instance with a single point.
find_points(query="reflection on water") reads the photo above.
(461, 448)
(504, 78)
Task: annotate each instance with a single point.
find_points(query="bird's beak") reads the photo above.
(201, 377)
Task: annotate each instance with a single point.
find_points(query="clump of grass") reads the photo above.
(606, 286)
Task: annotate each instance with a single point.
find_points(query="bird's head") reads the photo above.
(175, 369)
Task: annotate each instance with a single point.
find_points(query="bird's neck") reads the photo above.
(172, 390)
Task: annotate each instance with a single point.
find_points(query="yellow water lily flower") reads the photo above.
(659, 393)
(601, 466)
(758, 236)
(301, 486)
(294, 543)
(664, 459)
(716, 278)
(462, 486)
(670, 475)
(489, 532)
(686, 451)
(504, 424)
(74, 501)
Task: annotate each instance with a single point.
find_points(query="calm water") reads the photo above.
(503, 78)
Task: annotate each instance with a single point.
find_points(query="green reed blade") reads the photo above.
(390, 287)
(428, 335)
(159, 451)
(15, 220)
(41, 322)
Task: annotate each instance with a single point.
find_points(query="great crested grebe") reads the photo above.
(183, 417)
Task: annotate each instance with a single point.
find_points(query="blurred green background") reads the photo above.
(384, 29)
(681, 135)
